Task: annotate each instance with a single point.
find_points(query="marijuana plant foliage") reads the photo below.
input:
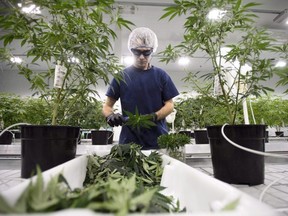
(174, 145)
(78, 29)
(282, 73)
(173, 141)
(125, 160)
(137, 121)
(109, 192)
(38, 197)
(208, 36)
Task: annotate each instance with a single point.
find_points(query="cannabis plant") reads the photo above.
(73, 38)
(238, 69)
(174, 144)
(282, 72)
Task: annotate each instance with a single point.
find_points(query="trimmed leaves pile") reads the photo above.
(125, 160)
(124, 181)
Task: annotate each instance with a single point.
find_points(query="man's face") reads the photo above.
(142, 57)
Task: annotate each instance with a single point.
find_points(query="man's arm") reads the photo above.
(108, 106)
(165, 110)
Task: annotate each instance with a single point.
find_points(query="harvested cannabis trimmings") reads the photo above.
(124, 181)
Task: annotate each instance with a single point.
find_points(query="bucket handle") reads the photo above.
(11, 126)
(250, 150)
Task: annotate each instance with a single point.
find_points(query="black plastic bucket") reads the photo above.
(186, 132)
(6, 138)
(201, 137)
(234, 165)
(46, 146)
(279, 133)
(101, 137)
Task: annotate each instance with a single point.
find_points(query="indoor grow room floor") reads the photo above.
(198, 156)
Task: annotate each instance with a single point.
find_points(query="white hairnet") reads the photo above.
(142, 37)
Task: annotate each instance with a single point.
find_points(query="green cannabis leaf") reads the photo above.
(138, 121)
(124, 181)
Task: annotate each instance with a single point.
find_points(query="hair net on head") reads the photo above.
(142, 37)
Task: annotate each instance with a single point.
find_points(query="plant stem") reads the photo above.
(56, 106)
(218, 68)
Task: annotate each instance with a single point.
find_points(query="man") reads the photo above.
(145, 88)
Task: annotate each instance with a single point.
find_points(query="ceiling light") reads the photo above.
(16, 60)
(282, 17)
(31, 9)
(73, 60)
(183, 61)
(127, 60)
(216, 14)
(281, 63)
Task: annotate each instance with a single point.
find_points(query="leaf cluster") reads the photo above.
(173, 141)
(38, 197)
(282, 73)
(125, 195)
(138, 121)
(125, 160)
(272, 111)
(84, 112)
(64, 30)
(209, 37)
(199, 112)
(12, 109)
(112, 193)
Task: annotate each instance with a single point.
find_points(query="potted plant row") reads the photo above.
(173, 144)
(197, 113)
(11, 112)
(272, 111)
(33, 110)
(238, 71)
(63, 32)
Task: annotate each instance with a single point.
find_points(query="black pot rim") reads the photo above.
(238, 125)
(49, 126)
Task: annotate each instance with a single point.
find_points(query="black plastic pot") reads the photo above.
(266, 136)
(6, 138)
(279, 133)
(186, 132)
(46, 146)
(101, 137)
(201, 137)
(234, 165)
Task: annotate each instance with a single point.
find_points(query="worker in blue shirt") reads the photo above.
(145, 88)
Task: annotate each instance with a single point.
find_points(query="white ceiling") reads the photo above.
(148, 12)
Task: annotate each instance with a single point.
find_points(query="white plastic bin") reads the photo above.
(196, 191)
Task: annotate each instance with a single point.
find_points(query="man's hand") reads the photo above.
(152, 117)
(115, 119)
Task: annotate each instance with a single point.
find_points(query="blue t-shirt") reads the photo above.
(145, 90)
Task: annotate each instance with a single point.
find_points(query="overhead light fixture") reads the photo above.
(31, 9)
(183, 61)
(73, 60)
(216, 14)
(282, 17)
(16, 60)
(127, 60)
(28, 7)
(281, 63)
